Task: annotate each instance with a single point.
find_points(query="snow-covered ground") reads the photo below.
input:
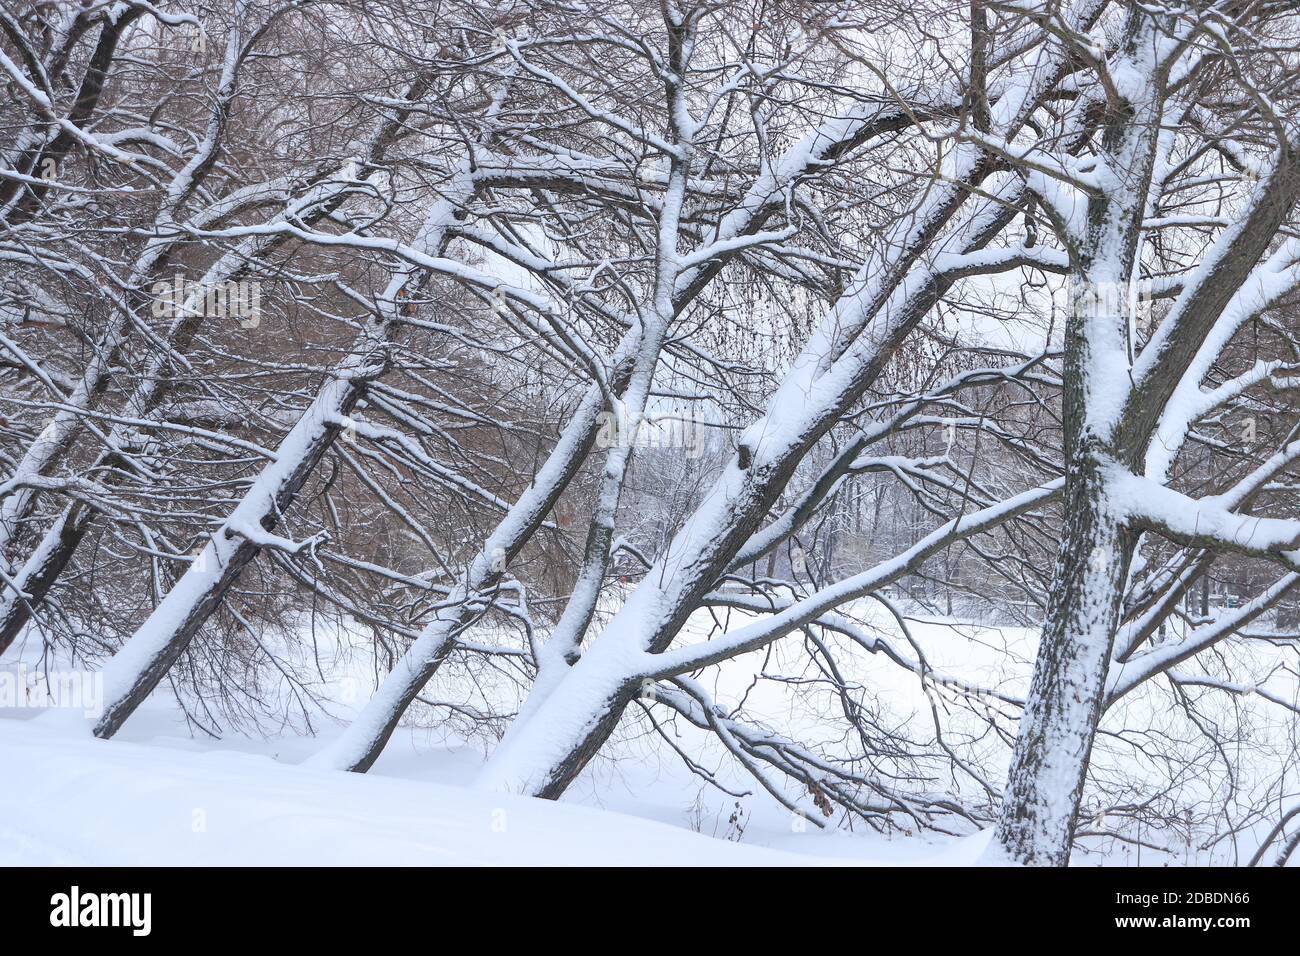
(95, 803)
(160, 794)
(78, 801)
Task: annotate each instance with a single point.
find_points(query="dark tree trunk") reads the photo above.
(1045, 784)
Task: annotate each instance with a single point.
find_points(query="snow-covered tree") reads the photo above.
(577, 325)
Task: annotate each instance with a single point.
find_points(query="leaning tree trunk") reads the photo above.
(550, 743)
(548, 746)
(135, 670)
(132, 674)
(33, 581)
(364, 739)
(35, 577)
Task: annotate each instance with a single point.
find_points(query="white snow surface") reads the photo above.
(76, 801)
(99, 802)
(160, 793)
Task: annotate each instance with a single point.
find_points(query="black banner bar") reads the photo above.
(334, 906)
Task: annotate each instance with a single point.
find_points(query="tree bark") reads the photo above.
(132, 674)
(1041, 801)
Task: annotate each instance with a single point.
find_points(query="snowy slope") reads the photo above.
(159, 793)
(92, 802)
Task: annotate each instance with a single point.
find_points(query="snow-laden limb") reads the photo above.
(543, 753)
(1289, 845)
(142, 661)
(361, 742)
(1207, 522)
(58, 434)
(1271, 280)
(1126, 676)
(809, 609)
(829, 783)
(1166, 589)
(1228, 287)
(38, 573)
(832, 622)
(848, 460)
